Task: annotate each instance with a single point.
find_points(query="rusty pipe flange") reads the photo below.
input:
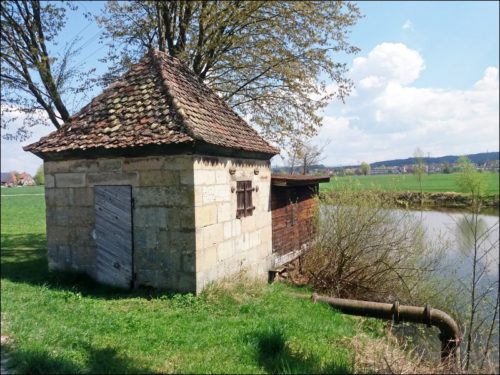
(427, 315)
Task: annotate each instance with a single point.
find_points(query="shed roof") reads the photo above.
(297, 180)
(159, 101)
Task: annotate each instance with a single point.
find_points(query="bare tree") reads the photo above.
(34, 81)
(303, 153)
(312, 154)
(292, 155)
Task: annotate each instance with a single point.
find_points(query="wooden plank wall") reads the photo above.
(293, 211)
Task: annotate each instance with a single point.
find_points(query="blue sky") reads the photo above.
(426, 76)
(455, 38)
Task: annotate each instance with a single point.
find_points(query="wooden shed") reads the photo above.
(293, 207)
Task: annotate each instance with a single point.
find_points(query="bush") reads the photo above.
(39, 176)
(364, 249)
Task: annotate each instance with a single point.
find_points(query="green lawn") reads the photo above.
(409, 182)
(64, 323)
(22, 190)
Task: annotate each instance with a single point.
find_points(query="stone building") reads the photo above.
(158, 182)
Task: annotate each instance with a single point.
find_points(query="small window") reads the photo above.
(244, 199)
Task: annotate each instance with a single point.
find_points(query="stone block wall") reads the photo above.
(226, 245)
(185, 229)
(163, 216)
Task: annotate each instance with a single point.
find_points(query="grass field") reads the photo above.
(64, 323)
(31, 190)
(408, 182)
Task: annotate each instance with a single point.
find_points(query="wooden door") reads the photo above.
(113, 232)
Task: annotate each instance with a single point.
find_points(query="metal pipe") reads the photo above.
(449, 331)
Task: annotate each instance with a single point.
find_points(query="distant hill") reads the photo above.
(478, 159)
(475, 158)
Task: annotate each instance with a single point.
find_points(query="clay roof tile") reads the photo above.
(158, 101)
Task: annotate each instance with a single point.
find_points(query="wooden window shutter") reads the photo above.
(240, 197)
(248, 198)
(244, 199)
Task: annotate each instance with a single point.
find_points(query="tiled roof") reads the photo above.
(159, 101)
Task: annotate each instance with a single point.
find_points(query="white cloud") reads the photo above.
(388, 62)
(371, 82)
(489, 82)
(408, 25)
(389, 117)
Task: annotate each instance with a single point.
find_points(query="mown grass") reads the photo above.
(22, 190)
(409, 182)
(65, 323)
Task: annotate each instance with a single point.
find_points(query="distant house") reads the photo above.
(24, 179)
(491, 165)
(387, 170)
(9, 179)
(13, 178)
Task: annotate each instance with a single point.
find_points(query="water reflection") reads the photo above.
(469, 229)
(459, 231)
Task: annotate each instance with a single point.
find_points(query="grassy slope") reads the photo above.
(65, 323)
(409, 182)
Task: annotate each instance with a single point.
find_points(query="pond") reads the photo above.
(456, 228)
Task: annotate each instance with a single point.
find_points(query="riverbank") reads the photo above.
(413, 199)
